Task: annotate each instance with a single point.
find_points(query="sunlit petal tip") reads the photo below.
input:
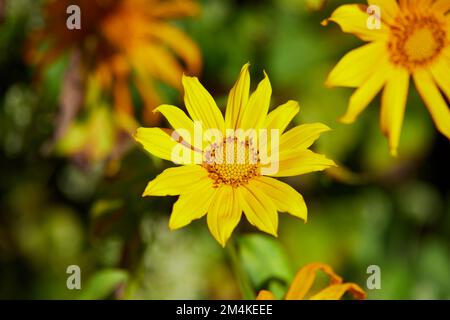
(222, 239)
(274, 233)
(265, 295)
(329, 164)
(346, 119)
(332, 163)
(223, 243)
(157, 109)
(294, 104)
(394, 152)
(325, 22)
(329, 84)
(150, 189)
(325, 128)
(173, 226)
(147, 192)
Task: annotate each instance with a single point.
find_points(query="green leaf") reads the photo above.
(103, 283)
(264, 259)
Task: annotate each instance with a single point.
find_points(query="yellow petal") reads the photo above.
(356, 66)
(442, 6)
(389, 9)
(433, 100)
(178, 120)
(122, 97)
(285, 198)
(305, 277)
(297, 162)
(175, 9)
(159, 62)
(393, 105)
(364, 94)
(175, 181)
(259, 210)
(441, 71)
(238, 98)
(181, 44)
(281, 116)
(193, 204)
(335, 292)
(156, 141)
(257, 107)
(265, 295)
(200, 105)
(224, 214)
(353, 18)
(415, 5)
(302, 136)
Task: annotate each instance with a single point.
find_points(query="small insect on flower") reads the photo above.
(413, 39)
(304, 280)
(227, 170)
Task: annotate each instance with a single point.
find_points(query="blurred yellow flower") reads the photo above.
(230, 173)
(304, 280)
(122, 41)
(408, 38)
(95, 137)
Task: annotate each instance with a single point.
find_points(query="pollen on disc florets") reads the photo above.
(232, 161)
(416, 40)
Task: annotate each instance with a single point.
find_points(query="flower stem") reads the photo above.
(239, 272)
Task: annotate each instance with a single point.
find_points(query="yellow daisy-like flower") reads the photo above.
(122, 41)
(304, 279)
(230, 174)
(410, 38)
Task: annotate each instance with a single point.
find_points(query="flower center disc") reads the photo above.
(231, 161)
(416, 40)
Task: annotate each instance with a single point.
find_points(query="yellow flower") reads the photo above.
(304, 280)
(231, 174)
(412, 38)
(122, 41)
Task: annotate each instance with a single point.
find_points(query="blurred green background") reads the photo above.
(55, 212)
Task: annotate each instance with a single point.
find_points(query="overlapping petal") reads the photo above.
(367, 91)
(389, 9)
(298, 162)
(193, 204)
(255, 112)
(224, 214)
(200, 105)
(356, 67)
(302, 136)
(237, 99)
(305, 277)
(304, 280)
(393, 106)
(285, 198)
(259, 210)
(175, 181)
(434, 101)
(352, 18)
(281, 116)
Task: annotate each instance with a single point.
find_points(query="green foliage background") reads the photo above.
(394, 213)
